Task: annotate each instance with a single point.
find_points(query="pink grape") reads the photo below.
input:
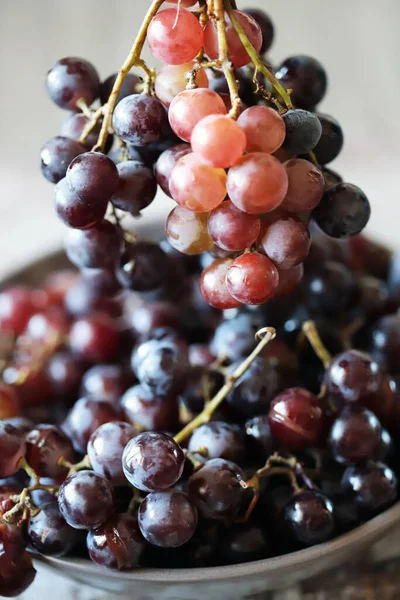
(170, 81)
(285, 239)
(197, 186)
(237, 52)
(213, 285)
(166, 162)
(232, 229)
(190, 107)
(219, 141)
(175, 36)
(264, 128)
(188, 232)
(306, 185)
(257, 183)
(289, 280)
(252, 278)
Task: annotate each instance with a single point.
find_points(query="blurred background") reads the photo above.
(356, 40)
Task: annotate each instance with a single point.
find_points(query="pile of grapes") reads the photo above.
(208, 400)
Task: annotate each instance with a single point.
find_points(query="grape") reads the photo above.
(56, 286)
(143, 408)
(307, 79)
(83, 298)
(55, 156)
(46, 445)
(106, 382)
(16, 308)
(72, 211)
(306, 186)
(257, 183)
(190, 107)
(93, 177)
(150, 153)
(171, 81)
(259, 437)
(12, 545)
(235, 338)
(117, 544)
(72, 127)
(188, 232)
(373, 487)
(253, 392)
(244, 543)
(200, 355)
(132, 85)
(303, 131)
(101, 282)
(385, 342)
(213, 285)
(95, 338)
(93, 248)
(252, 278)
(264, 128)
(53, 324)
(330, 289)
(167, 519)
(331, 141)
(267, 29)
(231, 229)
(137, 187)
(12, 444)
(197, 186)
(237, 52)
(352, 375)
(289, 280)
(142, 266)
(219, 439)
(85, 417)
(296, 418)
(9, 402)
(105, 448)
(175, 36)
(64, 373)
(161, 365)
(86, 500)
(49, 533)
(344, 211)
(331, 177)
(218, 140)
(215, 489)
(355, 435)
(70, 80)
(17, 577)
(153, 315)
(284, 239)
(139, 119)
(309, 518)
(166, 162)
(153, 462)
(373, 296)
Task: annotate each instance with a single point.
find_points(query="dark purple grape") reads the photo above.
(132, 85)
(117, 544)
(216, 489)
(385, 448)
(373, 296)
(141, 407)
(166, 162)
(150, 153)
(331, 141)
(153, 462)
(12, 447)
(259, 437)
(64, 373)
(253, 392)
(72, 211)
(200, 355)
(244, 543)
(309, 518)
(137, 187)
(352, 375)
(73, 126)
(106, 382)
(303, 131)
(343, 212)
(82, 298)
(16, 577)
(330, 289)
(346, 513)
(161, 365)
(93, 177)
(46, 445)
(167, 519)
(12, 544)
(201, 385)
(56, 155)
(139, 119)
(234, 338)
(42, 497)
(385, 342)
(49, 533)
(94, 248)
(101, 281)
(106, 447)
(355, 435)
(373, 487)
(219, 440)
(86, 500)
(153, 315)
(72, 79)
(307, 79)
(85, 417)
(95, 338)
(142, 267)
(331, 177)
(267, 29)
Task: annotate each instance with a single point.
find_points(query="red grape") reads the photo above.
(306, 185)
(95, 338)
(190, 107)
(64, 373)
(45, 446)
(188, 232)
(285, 239)
(252, 278)
(232, 229)
(166, 162)
(289, 280)
(264, 128)
(16, 308)
(175, 36)
(213, 285)
(9, 402)
(170, 81)
(218, 140)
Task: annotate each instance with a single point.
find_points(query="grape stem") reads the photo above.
(310, 331)
(133, 59)
(81, 103)
(255, 58)
(265, 335)
(93, 120)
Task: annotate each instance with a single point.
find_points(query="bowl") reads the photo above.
(247, 581)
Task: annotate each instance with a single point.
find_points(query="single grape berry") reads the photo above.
(231, 229)
(284, 239)
(353, 375)
(56, 155)
(93, 177)
(139, 119)
(141, 407)
(71, 210)
(85, 417)
(385, 342)
(372, 486)
(289, 280)
(72, 79)
(12, 444)
(307, 79)
(153, 315)
(16, 308)
(46, 445)
(167, 519)
(218, 440)
(175, 37)
(166, 162)
(306, 186)
(106, 382)
(49, 533)
(95, 338)
(161, 365)
(309, 518)
(117, 544)
(136, 189)
(86, 500)
(244, 543)
(94, 248)
(303, 131)
(235, 338)
(142, 266)
(218, 140)
(187, 231)
(252, 278)
(343, 212)
(331, 140)
(355, 435)
(105, 449)
(18, 577)
(254, 390)
(329, 289)
(264, 128)
(213, 285)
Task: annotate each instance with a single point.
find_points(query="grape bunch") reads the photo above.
(148, 416)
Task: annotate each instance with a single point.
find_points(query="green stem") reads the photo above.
(224, 58)
(94, 119)
(311, 333)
